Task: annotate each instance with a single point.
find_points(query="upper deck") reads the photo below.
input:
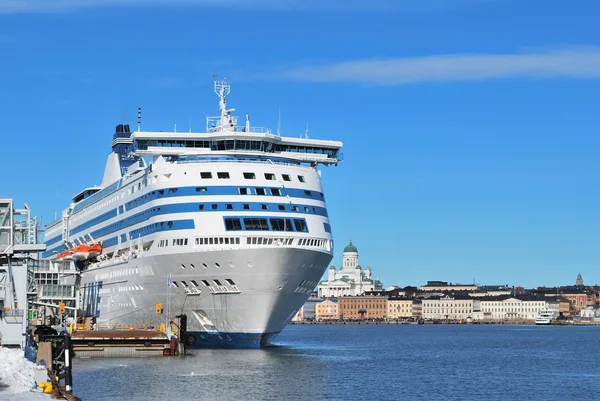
(224, 136)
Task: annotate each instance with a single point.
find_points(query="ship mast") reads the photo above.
(222, 89)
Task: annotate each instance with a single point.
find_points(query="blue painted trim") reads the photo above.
(52, 240)
(292, 223)
(97, 196)
(201, 190)
(162, 226)
(195, 208)
(92, 222)
(203, 339)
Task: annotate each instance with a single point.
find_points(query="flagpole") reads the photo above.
(167, 327)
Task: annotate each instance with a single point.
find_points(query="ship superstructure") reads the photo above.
(234, 218)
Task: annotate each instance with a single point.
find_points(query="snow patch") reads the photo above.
(16, 372)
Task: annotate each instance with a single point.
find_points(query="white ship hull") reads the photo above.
(268, 292)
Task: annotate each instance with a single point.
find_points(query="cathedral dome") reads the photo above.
(350, 248)
(332, 267)
(358, 267)
(368, 268)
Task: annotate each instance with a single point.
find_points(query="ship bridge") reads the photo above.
(225, 137)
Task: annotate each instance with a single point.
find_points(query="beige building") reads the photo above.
(327, 310)
(511, 308)
(403, 308)
(448, 308)
(363, 307)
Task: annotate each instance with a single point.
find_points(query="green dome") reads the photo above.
(358, 267)
(332, 267)
(367, 268)
(350, 248)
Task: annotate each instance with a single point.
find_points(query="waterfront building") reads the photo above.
(403, 308)
(363, 307)
(511, 308)
(307, 311)
(448, 307)
(444, 286)
(327, 310)
(350, 280)
(492, 291)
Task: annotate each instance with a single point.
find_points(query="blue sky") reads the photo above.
(471, 129)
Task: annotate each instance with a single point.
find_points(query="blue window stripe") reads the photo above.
(292, 224)
(92, 222)
(53, 239)
(327, 227)
(220, 190)
(97, 196)
(207, 207)
(162, 226)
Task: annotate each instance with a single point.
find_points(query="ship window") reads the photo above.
(281, 207)
(194, 283)
(223, 175)
(249, 176)
(175, 284)
(214, 206)
(218, 265)
(182, 266)
(256, 224)
(217, 282)
(229, 206)
(206, 174)
(282, 225)
(301, 178)
(201, 207)
(301, 225)
(200, 189)
(264, 207)
(244, 191)
(295, 209)
(226, 241)
(246, 206)
(260, 191)
(192, 265)
(307, 192)
(275, 192)
(270, 176)
(172, 190)
(306, 209)
(229, 281)
(205, 283)
(286, 177)
(327, 227)
(232, 224)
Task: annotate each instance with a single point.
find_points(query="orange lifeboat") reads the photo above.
(95, 250)
(82, 252)
(68, 255)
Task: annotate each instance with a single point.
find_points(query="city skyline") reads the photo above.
(470, 129)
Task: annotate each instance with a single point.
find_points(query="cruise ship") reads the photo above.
(228, 226)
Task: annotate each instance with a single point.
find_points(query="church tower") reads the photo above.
(579, 281)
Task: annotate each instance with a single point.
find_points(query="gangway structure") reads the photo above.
(19, 248)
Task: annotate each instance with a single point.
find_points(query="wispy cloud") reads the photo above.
(49, 6)
(574, 62)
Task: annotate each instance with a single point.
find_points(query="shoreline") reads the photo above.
(515, 323)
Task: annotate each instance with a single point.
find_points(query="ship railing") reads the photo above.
(203, 160)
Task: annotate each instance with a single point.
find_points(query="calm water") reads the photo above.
(449, 362)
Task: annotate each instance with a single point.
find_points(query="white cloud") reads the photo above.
(49, 6)
(575, 62)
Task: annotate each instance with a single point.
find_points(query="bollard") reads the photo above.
(68, 373)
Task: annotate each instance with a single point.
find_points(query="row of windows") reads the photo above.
(250, 176)
(218, 241)
(264, 224)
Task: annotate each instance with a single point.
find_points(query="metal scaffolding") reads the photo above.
(19, 248)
